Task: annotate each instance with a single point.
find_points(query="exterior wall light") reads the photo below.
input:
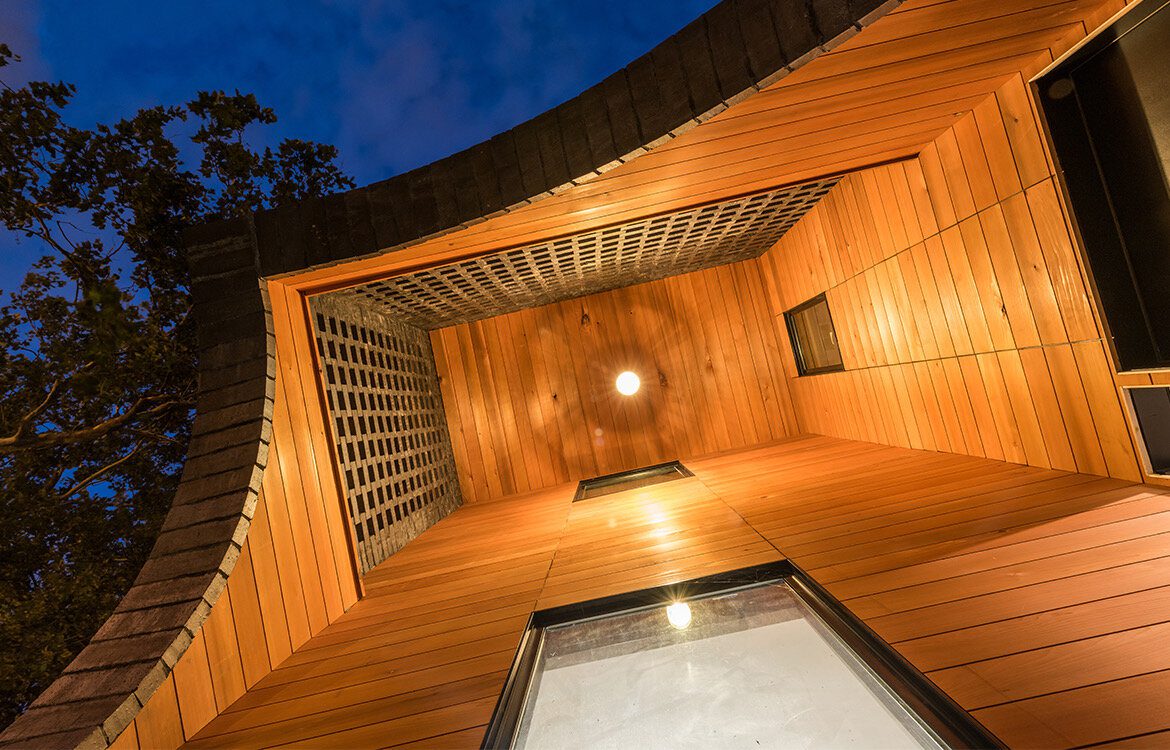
(628, 383)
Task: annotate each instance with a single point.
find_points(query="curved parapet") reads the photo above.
(721, 58)
(103, 689)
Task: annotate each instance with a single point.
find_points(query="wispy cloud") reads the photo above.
(393, 83)
(20, 30)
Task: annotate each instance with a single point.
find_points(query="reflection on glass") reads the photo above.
(752, 668)
(813, 337)
(679, 615)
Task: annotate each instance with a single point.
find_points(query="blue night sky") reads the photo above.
(392, 83)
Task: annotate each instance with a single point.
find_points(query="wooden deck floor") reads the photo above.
(1038, 599)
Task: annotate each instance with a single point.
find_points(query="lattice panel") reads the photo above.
(388, 424)
(595, 261)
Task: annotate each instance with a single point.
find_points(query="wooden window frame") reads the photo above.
(794, 337)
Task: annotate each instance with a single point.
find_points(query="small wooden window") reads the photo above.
(814, 341)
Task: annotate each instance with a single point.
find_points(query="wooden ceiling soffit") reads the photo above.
(723, 57)
(592, 262)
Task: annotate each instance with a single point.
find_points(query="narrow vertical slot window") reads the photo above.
(1151, 409)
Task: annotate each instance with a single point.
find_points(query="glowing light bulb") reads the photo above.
(628, 383)
(679, 615)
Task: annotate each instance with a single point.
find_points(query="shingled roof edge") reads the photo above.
(721, 58)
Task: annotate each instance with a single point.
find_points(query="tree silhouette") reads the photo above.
(97, 354)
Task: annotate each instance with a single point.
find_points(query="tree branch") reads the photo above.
(155, 436)
(145, 407)
(46, 235)
(61, 228)
(79, 486)
(28, 420)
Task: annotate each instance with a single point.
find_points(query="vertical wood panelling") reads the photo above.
(953, 281)
(249, 620)
(424, 654)
(193, 686)
(531, 397)
(224, 657)
(295, 574)
(158, 724)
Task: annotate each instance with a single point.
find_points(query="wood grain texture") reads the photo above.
(960, 305)
(966, 328)
(424, 655)
(530, 396)
(1032, 596)
(1026, 593)
(882, 95)
(295, 573)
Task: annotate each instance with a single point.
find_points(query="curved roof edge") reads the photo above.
(724, 56)
(107, 684)
(721, 58)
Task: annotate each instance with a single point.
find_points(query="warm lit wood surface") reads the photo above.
(1033, 597)
(904, 84)
(530, 396)
(426, 652)
(295, 573)
(882, 95)
(1037, 598)
(959, 304)
(644, 539)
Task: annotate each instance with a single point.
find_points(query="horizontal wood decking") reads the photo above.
(1038, 599)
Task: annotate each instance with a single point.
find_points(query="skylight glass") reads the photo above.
(751, 668)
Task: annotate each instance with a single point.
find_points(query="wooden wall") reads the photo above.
(965, 328)
(530, 396)
(1037, 599)
(960, 304)
(295, 574)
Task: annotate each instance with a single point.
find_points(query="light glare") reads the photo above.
(679, 615)
(628, 383)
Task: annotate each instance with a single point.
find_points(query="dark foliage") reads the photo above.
(97, 358)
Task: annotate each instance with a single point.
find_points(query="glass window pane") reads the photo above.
(1151, 406)
(751, 668)
(814, 339)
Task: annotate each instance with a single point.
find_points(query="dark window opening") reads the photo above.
(629, 480)
(814, 341)
(1151, 407)
(1107, 108)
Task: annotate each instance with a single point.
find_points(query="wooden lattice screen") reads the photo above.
(393, 445)
(598, 261)
(386, 411)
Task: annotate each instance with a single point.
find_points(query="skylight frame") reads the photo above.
(946, 719)
(670, 471)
